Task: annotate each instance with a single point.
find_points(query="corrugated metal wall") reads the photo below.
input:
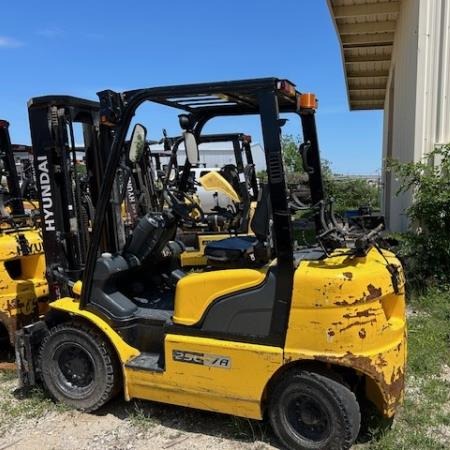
(417, 107)
(433, 103)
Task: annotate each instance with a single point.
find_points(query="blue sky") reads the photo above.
(79, 48)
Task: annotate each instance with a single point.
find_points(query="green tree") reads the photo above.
(291, 155)
(352, 193)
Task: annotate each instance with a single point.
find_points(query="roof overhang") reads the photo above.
(366, 30)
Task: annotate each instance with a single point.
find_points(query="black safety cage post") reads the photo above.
(9, 168)
(282, 227)
(243, 187)
(312, 160)
(64, 227)
(266, 97)
(247, 148)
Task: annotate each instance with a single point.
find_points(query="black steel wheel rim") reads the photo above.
(308, 417)
(75, 370)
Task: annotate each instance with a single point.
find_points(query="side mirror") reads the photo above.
(190, 144)
(137, 143)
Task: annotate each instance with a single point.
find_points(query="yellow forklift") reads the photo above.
(24, 291)
(301, 337)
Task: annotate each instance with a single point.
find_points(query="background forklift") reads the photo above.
(302, 337)
(23, 287)
(237, 182)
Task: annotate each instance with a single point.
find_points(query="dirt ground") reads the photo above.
(37, 423)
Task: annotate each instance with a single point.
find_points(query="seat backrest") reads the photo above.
(260, 221)
(231, 174)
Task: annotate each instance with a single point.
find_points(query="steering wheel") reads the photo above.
(184, 206)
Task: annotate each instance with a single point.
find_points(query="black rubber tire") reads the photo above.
(95, 361)
(333, 402)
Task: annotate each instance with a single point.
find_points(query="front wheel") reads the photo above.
(312, 411)
(78, 367)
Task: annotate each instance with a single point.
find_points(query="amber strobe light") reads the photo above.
(307, 101)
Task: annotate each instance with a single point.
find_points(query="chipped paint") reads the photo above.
(363, 313)
(391, 386)
(357, 323)
(354, 329)
(373, 292)
(330, 335)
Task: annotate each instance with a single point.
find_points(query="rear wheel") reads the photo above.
(78, 366)
(312, 411)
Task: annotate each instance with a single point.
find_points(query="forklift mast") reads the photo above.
(9, 170)
(67, 197)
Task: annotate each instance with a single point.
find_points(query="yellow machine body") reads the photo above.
(338, 317)
(213, 181)
(195, 292)
(195, 256)
(23, 286)
(29, 207)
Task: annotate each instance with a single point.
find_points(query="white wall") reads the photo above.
(213, 156)
(219, 154)
(433, 84)
(417, 106)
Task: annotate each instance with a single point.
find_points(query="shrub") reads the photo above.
(426, 245)
(352, 193)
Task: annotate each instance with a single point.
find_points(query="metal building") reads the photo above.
(396, 57)
(218, 154)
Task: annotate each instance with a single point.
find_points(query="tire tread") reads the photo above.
(112, 382)
(346, 400)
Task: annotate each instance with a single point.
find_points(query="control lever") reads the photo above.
(323, 222)
(363, 243)
(340, 228)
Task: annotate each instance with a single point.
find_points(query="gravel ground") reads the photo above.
(37, 423)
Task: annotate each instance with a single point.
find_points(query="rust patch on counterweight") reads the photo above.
(372, 295)
(392, 390)
(355, 324)
(373, 292)
(364, 313)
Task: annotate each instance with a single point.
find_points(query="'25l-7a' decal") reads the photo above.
(203, 359)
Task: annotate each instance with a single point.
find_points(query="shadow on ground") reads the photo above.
(373, 426)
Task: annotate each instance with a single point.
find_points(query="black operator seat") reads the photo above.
(245, 250)
(231, 174)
